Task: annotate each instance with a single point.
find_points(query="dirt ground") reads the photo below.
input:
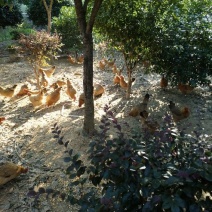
(26, 138)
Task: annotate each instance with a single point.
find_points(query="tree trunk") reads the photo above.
(129, 73)
(86, 27)
(88, 126)
(49, 13)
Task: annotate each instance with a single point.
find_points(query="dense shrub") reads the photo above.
(180, 45)
(167, 171)
(66, 25)
(37, 12)
(10, 16)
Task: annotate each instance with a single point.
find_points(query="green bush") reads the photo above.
(66, 25)
(180, 45)
(10, 16)
(167, 171)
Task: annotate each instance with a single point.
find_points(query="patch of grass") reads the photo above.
(5, 33)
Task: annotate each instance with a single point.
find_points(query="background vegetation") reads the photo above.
(175, 36)
(37, 12)
(66, 25)
(10, 16)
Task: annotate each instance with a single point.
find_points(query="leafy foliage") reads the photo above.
(120, 24)
(38, 48)
(175, 36)
(66, 25)
(181, 44)
(36, 7)
(169, 170)
(10, 16)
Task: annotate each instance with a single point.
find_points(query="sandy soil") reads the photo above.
(26, 138)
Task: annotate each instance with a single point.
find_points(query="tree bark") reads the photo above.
(86, 27)
(49, 14)
(88, 84)
(129, 73)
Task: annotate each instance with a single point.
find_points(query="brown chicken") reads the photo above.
(70, 91)
(48, 71)
(185, 89)
(23, 90)
(178, 113)
(81, 99)
(163, 83)
(2, 119)
(8, 92)
(9, 171)
(54, 86)
(123, 83)
(98, 90)
(36, 100)
(116, 79)
(72, 60)
(136, 110)
(110, 63)
(58, 83)
(44, 81)
(35, 91)
(149, 125)
(102, 64)
(53, 97)
(61, 83)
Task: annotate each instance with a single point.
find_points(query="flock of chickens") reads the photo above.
(48, 95)
(141, 109)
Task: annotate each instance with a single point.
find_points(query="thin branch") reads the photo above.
(46, 6)
(97, 5)
(51, 4)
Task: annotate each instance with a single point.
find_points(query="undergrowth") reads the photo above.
(167, 171)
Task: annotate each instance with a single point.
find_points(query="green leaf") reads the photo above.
(67, 159)
(175, 208)
(70, 152)
(70, 168)
(77, 164)
(156, 183)
(76, 157)
(179, 201)
(81, 171)
(172, 180)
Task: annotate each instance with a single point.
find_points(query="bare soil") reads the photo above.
(26, 138)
